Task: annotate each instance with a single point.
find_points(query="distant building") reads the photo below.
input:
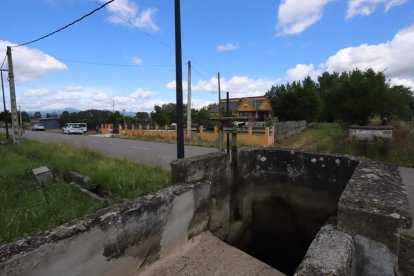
(49, 123)
(254, 109)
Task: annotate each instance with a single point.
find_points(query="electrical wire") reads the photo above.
(3, 62)
(156, 39)
(98, 63)
(64, 27)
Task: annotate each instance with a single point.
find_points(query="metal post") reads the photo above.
(189, 101)
(15, 124)
(179, 81)
(228, 115)
(4, 106)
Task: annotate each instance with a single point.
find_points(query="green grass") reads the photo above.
(331, 138)
(23, 207)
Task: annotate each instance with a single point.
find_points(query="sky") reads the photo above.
(123, 55)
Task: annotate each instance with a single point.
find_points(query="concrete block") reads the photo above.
(42, 174)
(330, 253)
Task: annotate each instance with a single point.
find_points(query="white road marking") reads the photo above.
(141, 148)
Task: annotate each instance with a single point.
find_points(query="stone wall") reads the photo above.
(370, 133)
(257, 200)
(121, 239)
(284, 130)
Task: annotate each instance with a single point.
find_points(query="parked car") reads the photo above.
(84, 127)
(72, 128)
(37, 127)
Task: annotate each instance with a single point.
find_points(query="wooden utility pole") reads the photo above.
(4, 106)
(179, 80)
(189, 101)
(15, 123)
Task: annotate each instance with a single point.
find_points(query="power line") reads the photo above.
(198, 73)
(100, 63)
(68, 25)
(156, 39)
(3, 61)
(140, 29)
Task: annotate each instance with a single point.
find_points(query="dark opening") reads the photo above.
(280, 234)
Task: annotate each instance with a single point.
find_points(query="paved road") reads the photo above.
(407, 175)
(150, 153)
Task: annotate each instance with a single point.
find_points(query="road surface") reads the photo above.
(407, 175)
(150, 153)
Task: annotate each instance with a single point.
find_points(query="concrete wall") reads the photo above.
(284, 130)
(370, 133)
(281, 191)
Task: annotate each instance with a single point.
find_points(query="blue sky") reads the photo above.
(253, 44)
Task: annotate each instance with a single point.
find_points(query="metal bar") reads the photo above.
(179, 81)
(228, 115)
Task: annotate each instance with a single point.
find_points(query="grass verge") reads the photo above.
(331, 138)
(23, 207)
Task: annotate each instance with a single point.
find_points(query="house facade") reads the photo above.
(254, 109)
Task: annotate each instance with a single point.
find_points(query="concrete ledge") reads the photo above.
(330, 253)
(374, 204)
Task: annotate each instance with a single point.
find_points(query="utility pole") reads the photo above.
(4, 106)
(219, 94)
(16, 132)
(189, 102)
(179, 81)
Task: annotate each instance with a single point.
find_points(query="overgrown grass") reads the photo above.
(331, 138)
(23, 207)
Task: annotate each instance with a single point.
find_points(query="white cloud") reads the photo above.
(74, 88)
(142, 94)
(227, 47)
(30, 64)
(405, 82)
(38, 92)
(172, 85)
(238, 86)
(295, 16)
(100, 97)
(198, 103)
(393, 57)
(137, 61)
(128, 10)
(301, 71)
(366, 7)
(84, 98)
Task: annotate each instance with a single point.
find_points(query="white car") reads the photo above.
(71, 128)
(36, 127)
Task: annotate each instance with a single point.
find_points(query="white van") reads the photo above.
(83, 126)
(72, 128)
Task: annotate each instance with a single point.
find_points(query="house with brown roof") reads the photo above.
(254, 109)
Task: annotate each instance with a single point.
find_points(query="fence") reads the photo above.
(250, 136)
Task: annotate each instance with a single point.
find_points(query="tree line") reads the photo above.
(353, 97)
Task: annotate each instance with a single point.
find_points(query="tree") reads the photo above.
(142, 116)
(159, 116)
(37, 115)
(201, 117)
(296, 100)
